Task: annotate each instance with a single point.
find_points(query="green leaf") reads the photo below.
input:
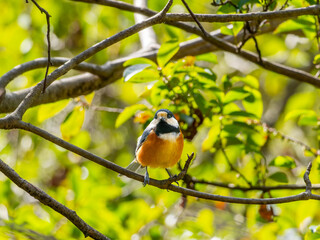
(253, 103)
(166, 52)
(208, 57)
(72, 123)
(205, 221)
(226, 31)
(212, 136)
(135, 61)
(304, 23)
(235, 94)
(283, 161)
(316, 59)
(82, 139)
(299, 112)
(237, 26)
(248, 80)
(127, 113)
(308, 120)
(200, 101)
(47, 111)
(279, 177)
(140, 73)
(305, 117)
(313, 233)
(242, 114)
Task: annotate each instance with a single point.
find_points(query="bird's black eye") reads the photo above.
(169, 115)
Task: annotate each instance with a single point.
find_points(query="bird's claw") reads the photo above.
(146, 178)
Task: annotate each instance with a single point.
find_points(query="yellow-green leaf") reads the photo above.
(167, 51)
(135, 61)
(73, 123)
(127, 113)
(47, 111)
(212, 136)
(279, 177)
(283, 161)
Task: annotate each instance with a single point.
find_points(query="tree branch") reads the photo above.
(111, 71)
(10, 122)
(182, 17)
(42, 10)
(296, 74)
(86, 83)
(36, 90)
(50, 202)
(231, 186)
(10, 101)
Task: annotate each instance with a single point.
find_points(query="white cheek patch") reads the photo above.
(173, 122)
(153, 123)
(169, 136)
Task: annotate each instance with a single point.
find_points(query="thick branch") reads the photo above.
(42, 62)
(162, 184)
(174, 17)
(51, 202)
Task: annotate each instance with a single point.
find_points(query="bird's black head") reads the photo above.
(165, 113)
(165, 122)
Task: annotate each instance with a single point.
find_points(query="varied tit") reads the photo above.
(160, 145)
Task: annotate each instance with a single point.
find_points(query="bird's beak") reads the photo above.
(162, 119)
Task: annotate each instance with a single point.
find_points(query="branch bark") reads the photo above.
(294, 73)
(45, 199)
(36, 90)
(182, 17)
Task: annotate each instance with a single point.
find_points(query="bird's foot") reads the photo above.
(146, 178)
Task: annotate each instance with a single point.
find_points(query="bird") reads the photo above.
(159, 146)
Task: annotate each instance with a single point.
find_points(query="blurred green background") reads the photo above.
(232, 96)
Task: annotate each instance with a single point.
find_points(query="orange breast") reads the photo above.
(156, 152)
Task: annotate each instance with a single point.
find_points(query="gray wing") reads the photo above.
(143, 137)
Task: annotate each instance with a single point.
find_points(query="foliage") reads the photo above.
(228, 111)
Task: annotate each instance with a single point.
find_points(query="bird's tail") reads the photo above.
(133, 166)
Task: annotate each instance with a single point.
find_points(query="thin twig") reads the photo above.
(307, 180)
(233, 168)
(284, 5)
(42, 10)
(204, 32)
(183, 171)
(252, 188)
(258, 49)
(275, 132)
(107, 109)
(44, 198)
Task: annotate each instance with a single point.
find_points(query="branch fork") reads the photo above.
(181, 175)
